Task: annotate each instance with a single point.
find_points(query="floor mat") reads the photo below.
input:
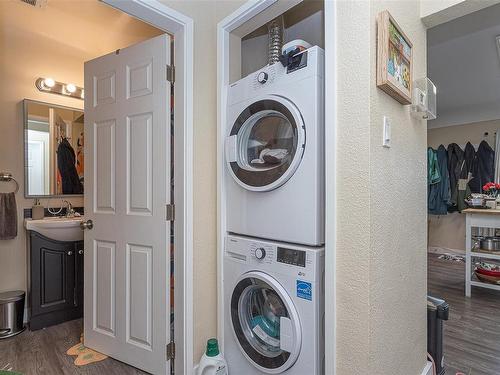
(85, 355)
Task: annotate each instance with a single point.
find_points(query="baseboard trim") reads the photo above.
(427, 369)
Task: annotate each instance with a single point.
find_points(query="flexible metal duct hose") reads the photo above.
(275, 39)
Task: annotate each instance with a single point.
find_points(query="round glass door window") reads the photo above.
(257, 312)
(269, 144)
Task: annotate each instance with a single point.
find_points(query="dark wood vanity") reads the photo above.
(55, 281)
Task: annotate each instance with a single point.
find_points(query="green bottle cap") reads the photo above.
(212, 348)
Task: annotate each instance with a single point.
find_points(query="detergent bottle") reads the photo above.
(212, 362)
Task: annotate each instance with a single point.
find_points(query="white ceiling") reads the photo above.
(464, 65)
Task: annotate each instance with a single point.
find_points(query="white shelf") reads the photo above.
(485, 285)
(478, 219)
(477, 254)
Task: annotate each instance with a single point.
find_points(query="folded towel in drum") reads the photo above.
(8, 216)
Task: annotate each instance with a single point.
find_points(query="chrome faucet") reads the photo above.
(70, 211)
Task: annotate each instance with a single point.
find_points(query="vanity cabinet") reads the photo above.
(55, 281)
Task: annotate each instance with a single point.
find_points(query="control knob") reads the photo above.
(262, 77)
(260, 253)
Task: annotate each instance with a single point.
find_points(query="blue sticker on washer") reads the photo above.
(304, 290)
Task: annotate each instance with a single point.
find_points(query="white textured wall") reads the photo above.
(381, 204)
(206, 15)
(353, 188)
(398, 215)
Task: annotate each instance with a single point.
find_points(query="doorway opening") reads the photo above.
(64, 39)
(463, 225)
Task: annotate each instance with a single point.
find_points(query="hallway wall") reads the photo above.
(206, 15)
(381, 215)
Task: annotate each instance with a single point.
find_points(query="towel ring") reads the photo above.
(7, 177)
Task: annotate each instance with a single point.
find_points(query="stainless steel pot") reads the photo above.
(490, 243)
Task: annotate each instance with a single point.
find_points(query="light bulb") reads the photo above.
(82, 94)
(49, 82)
(70, 88)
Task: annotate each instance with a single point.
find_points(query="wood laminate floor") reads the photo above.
(472, 335)
(43, 352)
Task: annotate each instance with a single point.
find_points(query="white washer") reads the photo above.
(274, 152)
(274, 307)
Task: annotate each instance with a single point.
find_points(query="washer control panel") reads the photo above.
(299, 261)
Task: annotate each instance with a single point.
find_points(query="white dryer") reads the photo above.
(274, 152)
(274, 309)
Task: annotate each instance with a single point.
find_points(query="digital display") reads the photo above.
(291, 256)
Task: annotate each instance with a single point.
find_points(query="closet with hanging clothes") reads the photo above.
(455, 172)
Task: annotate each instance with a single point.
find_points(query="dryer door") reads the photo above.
(266, 144)
(265, 323)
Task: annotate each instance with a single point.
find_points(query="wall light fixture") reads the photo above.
(51, 86)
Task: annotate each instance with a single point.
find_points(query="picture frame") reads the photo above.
(394, 59)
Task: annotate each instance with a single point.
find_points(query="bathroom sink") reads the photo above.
(57, 228)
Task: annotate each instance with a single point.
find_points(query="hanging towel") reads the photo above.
(8, 216)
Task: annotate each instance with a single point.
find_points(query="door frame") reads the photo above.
(180, 26)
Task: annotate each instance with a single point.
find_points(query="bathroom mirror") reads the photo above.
(53, 149)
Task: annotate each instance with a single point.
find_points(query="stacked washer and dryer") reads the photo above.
(273, 273)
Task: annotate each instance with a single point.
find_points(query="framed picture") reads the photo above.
(394, 59)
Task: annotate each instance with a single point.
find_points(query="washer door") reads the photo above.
(266, 144)
(265, 323)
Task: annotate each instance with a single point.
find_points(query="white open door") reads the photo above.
(127, 190)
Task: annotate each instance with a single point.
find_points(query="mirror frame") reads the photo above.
(25, 128)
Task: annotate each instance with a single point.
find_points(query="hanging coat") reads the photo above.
(456, 171)
(483, 168)
(66, 163)
(439, 194)
(469, 156)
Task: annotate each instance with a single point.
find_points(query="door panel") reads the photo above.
(139, 295)
(104, 169)
(139, 164)
(127, 285)
(104, 291)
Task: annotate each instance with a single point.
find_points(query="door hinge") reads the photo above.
(170, 212)
(171, 73)
(170, 351)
